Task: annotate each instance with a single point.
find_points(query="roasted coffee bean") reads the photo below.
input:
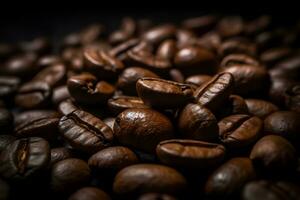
(101, 64)
(271, 56)
(226, 180)
(238, 131)
(239, 59)
(6, 121)
(190, 153)
(158, 92)
(85, 89)
(257, 25)
(195, 60)
(89, 193)
(60, 94)
(39, 123)
(128, 78)
(278, 88)
(283, 123)
(112, 159)
(121, 103)
(167, 50)
(24, 158)
(200, 25)
(249, 80)
(142, 128)
(198, 80)
(6, 140)
(53, 75)
(292, 98)
(8, 86)
(260, 108)
(68, 106)
(185, 38)
(85, 132)
(143, 178)
(270, 190)
(269, 39)
(34, 94)
(237, 46)
(110, 122)
(274, 154)
(212, 94)
(288, 68)
(60, 153)
(121, 50)
(126, 31)
(176, 75)
(4, 190)
(69, 174)
(48, 60)
(160, 33)
(234, 105)
(40, 45)
(197, 122)
(230, 26)
(156, 196)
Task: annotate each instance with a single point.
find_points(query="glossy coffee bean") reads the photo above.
(60, 93)
(260, 108)
(6, 140)
(85, 132)
(198, 80)
(86, 89)
(120, 51)
(156, 196)
(142, 128)
(292, 98)
(6, 121)
(143, 178)
(34, 94)
(197, 122)
(160, 33)
(128, 78)
(238, 131)
(112, 159)
(274, 153)
(212, 94)
(167, 50)
(270, 190)
(190, 153)
(68, 106)
(176, 75)
(238, 59)
(24, 158)
(60, 153)
(237, 46)
(69, 174)
(158, 92)
(109, 122)
(230, 177)
(235, 104)
(121, 103)
(89, 193)
(283, 123)
(53, 75)
(8, 86)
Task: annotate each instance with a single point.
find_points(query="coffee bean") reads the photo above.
(176, 75)
(238, 131)
(110, 122)
(198, 80)
(200, 25)
(68, 106)
(6, 121)
(237, 46)
(158, 92)
(197, 122)
(121, 103)
(85, 132)
(258, 25)
(24, 158)
(234, 105)
(156, 196)
(8, 86)
(6, 140)
(230, 26)
(190, 153)
(268, 190)
(89, 193)
(143, 178)
(48, 60)
(53, 75)
(60, 94)
(212, 94)
(128, 78)
(160, 33)
(260, 108)
(238, 59)
(269, 39)
(274, 154)
(230, 177)
(34, 94)
(38, 45)
(167, 50)
(142, 128)
(271, 56)
(85, 89)
(69, 174)
(292, 98)
(127, 30)
(60, 153)
(121, 50)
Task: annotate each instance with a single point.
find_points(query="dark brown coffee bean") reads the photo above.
(288, 68)
(121, 50)
(85, 89)
(60, 94)
(128, 78)
(271, 56)
(197, 122)
(91, 33)
(101, 64)
(269, 39)
(237, 46)
(190, 153)
(112, 159)
(283, 123)
(278, 89)
(156, 196)
(257, 25)
(121, 103)
(195, 60)
(48, 60)
(198, 80)
(234, 105)
(230, 177)
(6, 121)
(127, 30)
(167, 50)
(8, 86)
(200, 25)
(274, 154)
(26, 116)
(142, 128)
(238, 59)
(6, 140)
(158, 92)
(85, 132)
(143, 178)
(268, 190)
(60, 153)
(292, 98)
(68, 106)
(176, 75)
(240, 130)
(230, 26)
(69, 174)
(260, 108)
(53, 75)
(110, 122)
(185, 38)
(40, 45)
(214, 93)
(160, 33)
(24, 158)
(89, 193)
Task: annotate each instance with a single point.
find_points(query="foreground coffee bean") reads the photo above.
(142, 178)
(230, 177)
(142, 128)
(85, 131)
(158, 92)
(24, 159)
(234, 105)
(190, 153)
(89, 193)
(260, 108)
(274, 153)
(60, 153)
(237, 131)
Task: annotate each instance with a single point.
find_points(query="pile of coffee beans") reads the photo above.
(208, 108)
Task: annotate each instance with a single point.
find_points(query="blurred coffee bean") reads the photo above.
(176, 75)
(269, 39)
(167, 50)
(237, 46)
(127, 30)
(53, 75)
(60, 153)
(258, 25)
(260, 108)
(274, 55)
(8, 86)
(200, 25)
(89, 193)
(239, 59)
(160, 33)
(197, 80)
(230, 26)
(292, 98)
(40, 45)
(60, 93)
(121, 103)
(6, 121)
